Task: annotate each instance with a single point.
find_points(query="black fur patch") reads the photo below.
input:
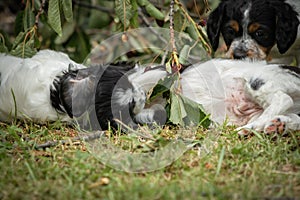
(66, 91)
(58, 93)
(91, 89)
(107, 107)
(295, 71)
(256, 83)
(54, 96)
(72, 92)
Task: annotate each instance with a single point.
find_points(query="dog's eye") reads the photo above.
(261, 34)
(230, 31)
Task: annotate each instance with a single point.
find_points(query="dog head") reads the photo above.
(251, 28)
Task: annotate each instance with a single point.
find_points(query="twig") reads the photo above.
(175, 65)
(172, 35)
(41, 10)
(89, 137)
(200, 32)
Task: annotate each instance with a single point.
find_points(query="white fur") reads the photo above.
(30, 80)
(147, 79)
(213, 82)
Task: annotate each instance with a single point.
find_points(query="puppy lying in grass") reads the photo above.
(253, 95)
(50, 86)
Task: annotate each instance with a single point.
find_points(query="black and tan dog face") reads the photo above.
(250, 28)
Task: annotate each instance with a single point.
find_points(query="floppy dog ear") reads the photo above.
(287, 26)
(72, 91)
(214, 23)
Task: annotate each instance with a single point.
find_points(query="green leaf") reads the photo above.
(37, 4)
(196, 114)
(181, 110)
(163, 86)
(5, 42)
(124, 11)
(37, 42)
(19, 39)
(135, 17)
(176, 110)
(24, 51)
(143, 2)
(3, 48)
(154, 12)
(54, 18)
(194, 34)
(179, 21)
(184, 54)
(67, 32)
(168, 67)
(19, 24)
(99, 19)
(67, 9)
(29, 18)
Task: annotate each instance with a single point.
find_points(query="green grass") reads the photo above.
(224, 166)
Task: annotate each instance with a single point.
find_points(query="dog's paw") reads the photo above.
(245, 130)
(257, 126)
(277, 125)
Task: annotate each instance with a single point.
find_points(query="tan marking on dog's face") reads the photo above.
(234, 25)
(253, 50)
(266, 50)
(253, 27)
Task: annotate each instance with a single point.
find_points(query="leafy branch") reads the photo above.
(197, 32)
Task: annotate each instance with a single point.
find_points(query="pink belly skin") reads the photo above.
(240, 108)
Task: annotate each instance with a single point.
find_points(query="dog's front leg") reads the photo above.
(282, 123)
(273, 104)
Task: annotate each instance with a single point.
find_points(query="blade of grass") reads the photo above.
(15, 104)
(220, 161)
(257, 134)
(30, 171)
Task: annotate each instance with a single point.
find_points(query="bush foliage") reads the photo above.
(75, 27)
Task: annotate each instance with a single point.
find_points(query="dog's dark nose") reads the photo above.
(239, 53)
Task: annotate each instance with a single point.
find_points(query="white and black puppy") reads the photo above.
(251, 95)
(50, 86)
(250, 28)
(25, 86)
